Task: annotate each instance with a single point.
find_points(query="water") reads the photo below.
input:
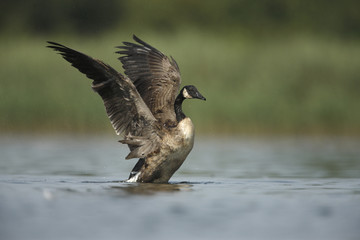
(66, 187)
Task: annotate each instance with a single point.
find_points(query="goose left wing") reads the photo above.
(155, 76)
(125, 108)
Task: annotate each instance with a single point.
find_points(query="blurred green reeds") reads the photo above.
(302, 84)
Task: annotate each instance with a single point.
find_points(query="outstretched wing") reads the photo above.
(155, 76)
(127, 111)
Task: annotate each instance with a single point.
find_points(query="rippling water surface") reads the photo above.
(64, 187)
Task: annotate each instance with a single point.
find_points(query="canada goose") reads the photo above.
(142, 106)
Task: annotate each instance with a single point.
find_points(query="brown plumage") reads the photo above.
(155, 76)
(142, 106)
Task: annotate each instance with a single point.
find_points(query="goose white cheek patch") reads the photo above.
(186, 94)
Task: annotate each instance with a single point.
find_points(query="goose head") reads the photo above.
(191, 92)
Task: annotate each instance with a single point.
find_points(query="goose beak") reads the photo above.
(199, 96)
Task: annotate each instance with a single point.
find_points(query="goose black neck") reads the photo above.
(178, 107)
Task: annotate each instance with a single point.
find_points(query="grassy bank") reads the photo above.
(299, 84)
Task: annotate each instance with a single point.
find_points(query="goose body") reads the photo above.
(162, 165)
(143, 106)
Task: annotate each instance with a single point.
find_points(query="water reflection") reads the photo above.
(93, 156)
(150, 188)
(225, 186)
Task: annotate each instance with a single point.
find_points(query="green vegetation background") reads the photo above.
(265, 67)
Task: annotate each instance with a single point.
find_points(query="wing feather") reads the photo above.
(128, 113)
(155, 76)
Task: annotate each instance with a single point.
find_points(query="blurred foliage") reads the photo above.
(270, 66)
(341, 18)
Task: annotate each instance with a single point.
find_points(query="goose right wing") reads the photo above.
(128, 113)
(156, 77)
